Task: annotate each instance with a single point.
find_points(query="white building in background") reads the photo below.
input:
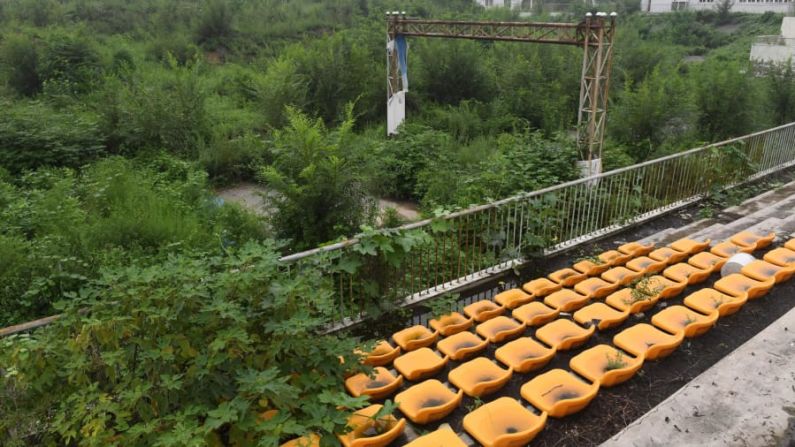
(513, 4)
(776, 49)
(752, 6)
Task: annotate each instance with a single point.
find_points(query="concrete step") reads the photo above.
(763, 200)
(657, 237)
(743, 400)
(761, 227)
(707, 233)
(693, 228)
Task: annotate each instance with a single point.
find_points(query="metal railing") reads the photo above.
(483, 240)
(469, 245)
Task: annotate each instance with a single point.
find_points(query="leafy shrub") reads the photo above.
(174, 47)
(281, 86)
(158, 109)
(32, 134)
(319, 191)
(195, 350)
(59, 228)
(404, 157)
(215, 23)
(20, 59)
(70, 63)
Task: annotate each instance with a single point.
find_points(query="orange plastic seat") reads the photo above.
(479, 376)
(564, 334)
(753, 240)
(614, 257)
(646, 265)
(601, 314)
(636, 249)
(708, 300)
(503, 422)
(591, 267)
(382, 384)
(690, 246)
(366, 431)
(631, 302)
(566, 300)
(382, 354)
(450, 324)
(595, 287)
(524, 355)
(415, 337)
(682, 272)
(567, 277)
(461, 345)
(559, 393)
(707, 261)
(621, 275)
(664, 287)
(483, 310)
(738, 285)
(647, 341)
(443, 437)
(311, 440)
(605, 365)
(680, 318)
(727, 249)
(499, 329)
(763, 270)
(790, 244)
(541, 287)
(535, 314)
(428, 401)
(668, 255)
(419, 364)
(513, 298)
(781, 256)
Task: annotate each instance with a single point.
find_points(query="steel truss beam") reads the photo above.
(594, 34)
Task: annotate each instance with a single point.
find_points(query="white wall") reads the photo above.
(656, 6)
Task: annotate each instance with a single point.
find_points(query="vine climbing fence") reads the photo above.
(422, 259)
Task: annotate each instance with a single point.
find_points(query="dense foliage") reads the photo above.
(198, 349)
(179, 326)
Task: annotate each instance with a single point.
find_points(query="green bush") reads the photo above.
(319, 191)
(33, 134)
(196, 349)
(20, 60)
(59, 228)
(158, 109)
(70, 64)
(215, 23)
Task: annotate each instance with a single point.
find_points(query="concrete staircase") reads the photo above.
(771, 211)
(752, 408)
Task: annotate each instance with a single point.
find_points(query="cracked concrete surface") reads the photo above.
(746, 399)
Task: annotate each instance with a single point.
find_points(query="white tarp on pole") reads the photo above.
(395, 112)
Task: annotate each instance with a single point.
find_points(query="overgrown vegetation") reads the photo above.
(179, 325)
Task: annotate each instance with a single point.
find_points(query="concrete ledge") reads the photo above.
(746, 399)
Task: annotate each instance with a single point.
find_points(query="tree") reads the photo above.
(318, 191)
(781, 93)
(20, 58)
(727, 98)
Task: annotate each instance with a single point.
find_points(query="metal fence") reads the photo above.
(466, 246)
(482, 240)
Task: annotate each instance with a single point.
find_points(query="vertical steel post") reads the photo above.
(597, 38)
